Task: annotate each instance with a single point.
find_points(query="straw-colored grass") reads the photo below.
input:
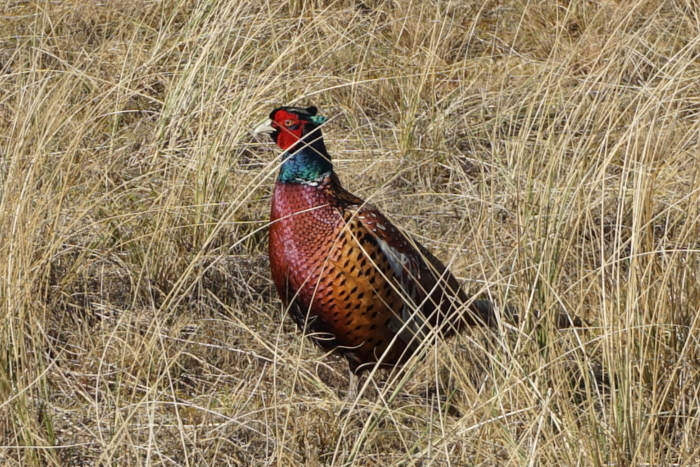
(548, 151)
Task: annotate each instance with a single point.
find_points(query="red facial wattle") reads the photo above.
(289, 129)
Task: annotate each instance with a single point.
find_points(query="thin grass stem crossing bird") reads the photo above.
(352, 280)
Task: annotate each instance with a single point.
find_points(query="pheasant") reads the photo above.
(351, 280)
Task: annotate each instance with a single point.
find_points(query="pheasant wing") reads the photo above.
(429, 291)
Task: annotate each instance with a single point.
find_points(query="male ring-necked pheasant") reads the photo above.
(351, 279)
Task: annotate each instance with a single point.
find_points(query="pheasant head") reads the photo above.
(297, 132)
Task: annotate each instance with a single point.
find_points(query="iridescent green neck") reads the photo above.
(305, 166)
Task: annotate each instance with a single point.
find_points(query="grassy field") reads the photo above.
(549, 152)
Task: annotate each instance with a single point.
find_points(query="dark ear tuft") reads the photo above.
(312, 110)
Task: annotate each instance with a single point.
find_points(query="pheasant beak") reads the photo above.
(264, 128)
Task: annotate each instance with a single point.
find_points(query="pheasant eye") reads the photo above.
(288, 122)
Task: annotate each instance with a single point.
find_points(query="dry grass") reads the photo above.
(548, 150)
